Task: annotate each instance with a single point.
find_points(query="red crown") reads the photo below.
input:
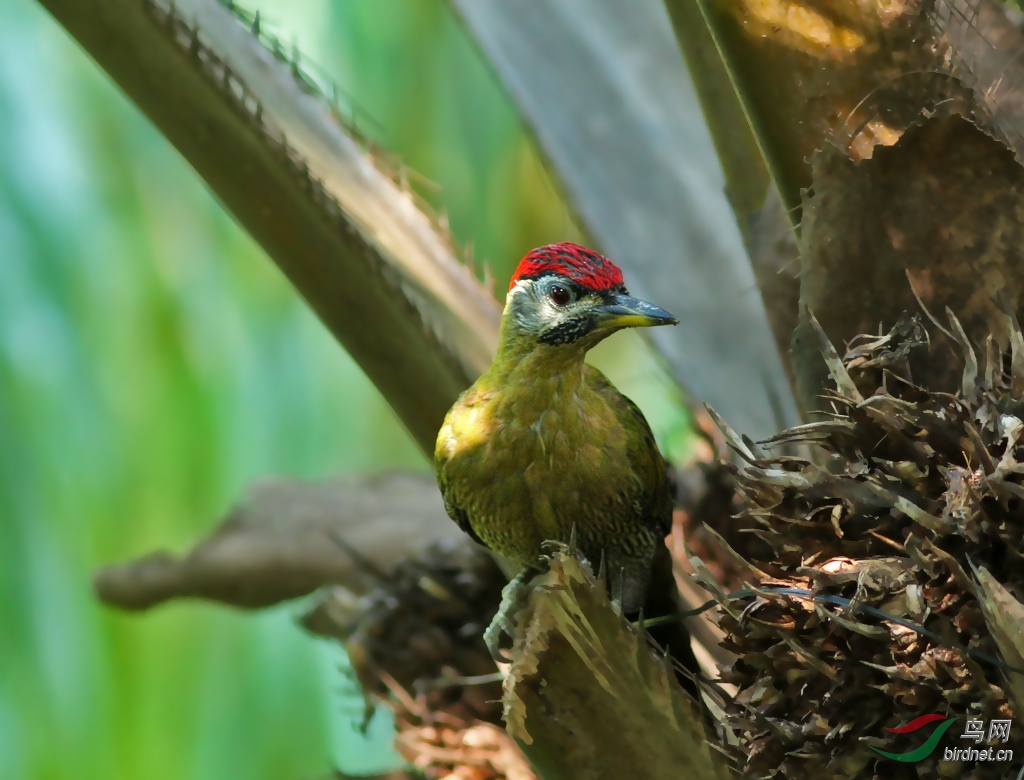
(584, 266)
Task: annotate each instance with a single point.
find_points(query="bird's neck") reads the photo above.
(523, 359)
(531, 378)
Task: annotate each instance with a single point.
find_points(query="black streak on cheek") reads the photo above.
(568, 331)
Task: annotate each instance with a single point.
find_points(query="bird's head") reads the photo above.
(564, 294)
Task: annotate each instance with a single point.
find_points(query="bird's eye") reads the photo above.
(559, 295)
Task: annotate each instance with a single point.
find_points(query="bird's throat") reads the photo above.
(522, 358)
(543, 380)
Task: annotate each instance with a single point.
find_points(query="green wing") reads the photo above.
(656, 496)
(456, 513)
(451, 505)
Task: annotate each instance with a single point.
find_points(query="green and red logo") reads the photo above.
(921, 753)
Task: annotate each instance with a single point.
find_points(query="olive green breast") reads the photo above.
(521, 465)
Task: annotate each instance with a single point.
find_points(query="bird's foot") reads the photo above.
(503, 621)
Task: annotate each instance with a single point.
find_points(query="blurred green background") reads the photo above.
(153, 362)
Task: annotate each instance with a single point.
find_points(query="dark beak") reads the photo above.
(624, 311)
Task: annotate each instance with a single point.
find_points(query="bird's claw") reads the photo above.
(503, 622)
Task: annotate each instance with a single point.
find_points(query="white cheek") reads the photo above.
(520, 287)
(522, 304)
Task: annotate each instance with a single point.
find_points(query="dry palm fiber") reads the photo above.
(907, 490)
(706, 499)
(415, 642)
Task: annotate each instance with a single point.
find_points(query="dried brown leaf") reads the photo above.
(586, 694)
(287, 538)
(1005, 618)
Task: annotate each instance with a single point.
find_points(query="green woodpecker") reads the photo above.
(543, 447)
